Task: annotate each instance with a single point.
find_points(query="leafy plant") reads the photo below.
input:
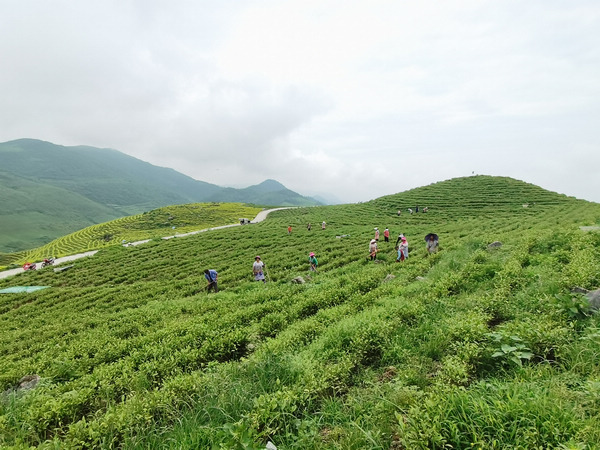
(575, 306)
(510, 348)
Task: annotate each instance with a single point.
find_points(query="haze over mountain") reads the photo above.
(51, 190)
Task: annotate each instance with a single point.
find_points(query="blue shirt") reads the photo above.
(211, 275)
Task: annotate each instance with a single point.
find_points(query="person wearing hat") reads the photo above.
(373, 250)
(432, 243)
(312, 259)
(402, 250)
(376, 234)
(386, 234)
(257, 269)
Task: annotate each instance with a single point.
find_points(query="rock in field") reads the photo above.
(594, 299)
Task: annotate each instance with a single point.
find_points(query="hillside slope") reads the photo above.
(60, 189)
(440, 351)
(155, 224)
(33, 213)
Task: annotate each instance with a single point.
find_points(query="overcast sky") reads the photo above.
(350, 99)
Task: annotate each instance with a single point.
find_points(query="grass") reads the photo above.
(133, 354)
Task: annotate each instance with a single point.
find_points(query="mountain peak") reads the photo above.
(271, 185)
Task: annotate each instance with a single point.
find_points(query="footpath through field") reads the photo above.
(259, 218)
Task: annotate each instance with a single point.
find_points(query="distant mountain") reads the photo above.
(327, 199)
(49, 190)
(270, 191)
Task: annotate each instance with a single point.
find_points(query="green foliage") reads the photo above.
(574, 306)
(510, 348)
(167, 221)
(495, 415)
(460, 349)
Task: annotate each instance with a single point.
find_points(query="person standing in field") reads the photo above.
(258, 270)
(432, 243)
(373, 250)
(312, 259)
(211, 276)
(290, 229)
(323, 225)
(402, 250)
(308, 227)
(376, 234)
(386, 235)
(400, 236)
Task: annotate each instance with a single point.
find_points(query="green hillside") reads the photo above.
(471, 347)
(50, 190)
(158, 223)
(34, 213)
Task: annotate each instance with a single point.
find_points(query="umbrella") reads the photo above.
(435, 237)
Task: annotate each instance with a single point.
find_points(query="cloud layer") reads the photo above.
(342, 98)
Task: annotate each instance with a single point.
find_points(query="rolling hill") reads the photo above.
(475, 346)
(50, 190)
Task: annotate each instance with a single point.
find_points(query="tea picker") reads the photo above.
(312, 259)
(258, 269)
(211, 276)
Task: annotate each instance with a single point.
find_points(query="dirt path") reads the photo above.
(259, 218)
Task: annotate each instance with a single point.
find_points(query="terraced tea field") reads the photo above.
(440, 351)
(150, 225)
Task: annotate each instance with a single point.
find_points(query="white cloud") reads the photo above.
(343, 97)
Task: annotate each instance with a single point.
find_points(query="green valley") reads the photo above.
(471, 347)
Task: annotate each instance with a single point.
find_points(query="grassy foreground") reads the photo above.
(473, 347)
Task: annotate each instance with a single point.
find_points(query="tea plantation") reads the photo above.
(157, 223)
(471, 347)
